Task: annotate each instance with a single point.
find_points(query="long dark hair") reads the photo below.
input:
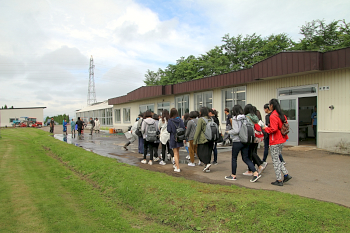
(186, 116)
(276, 106)
(257, 113)
(237, 110)
(165, 115)
(204, 111)
(249, 109)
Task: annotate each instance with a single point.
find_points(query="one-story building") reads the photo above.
(8, 115)
(100, 110)
(300, 80)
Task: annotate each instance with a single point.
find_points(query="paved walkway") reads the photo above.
(316, 173)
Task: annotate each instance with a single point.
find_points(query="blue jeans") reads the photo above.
(244, 149)
(141, 145)
(266, 149)
(215, 150)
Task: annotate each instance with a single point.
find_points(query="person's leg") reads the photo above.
(170, 151)
(281, 158)
(314, 127)
(215, 150)
(266, 147)
(245, 157)
(236, 147)
(151, 150)
(176, 156)
(163, 151)
(155, 149)
(277, 164)
(145, 148)
(255, 156)
(191, 151)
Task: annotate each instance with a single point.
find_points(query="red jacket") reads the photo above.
(274, 129)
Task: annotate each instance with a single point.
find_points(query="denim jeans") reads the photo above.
(215, 150)
(243, 148)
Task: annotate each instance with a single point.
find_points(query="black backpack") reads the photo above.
(179, 134)
(138, 130)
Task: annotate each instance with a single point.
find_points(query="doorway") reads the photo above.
(298, 104)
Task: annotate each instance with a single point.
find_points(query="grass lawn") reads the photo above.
(50, 186)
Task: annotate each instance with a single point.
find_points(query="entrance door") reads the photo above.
(289, 106)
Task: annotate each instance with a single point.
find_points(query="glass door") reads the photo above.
(289, 106)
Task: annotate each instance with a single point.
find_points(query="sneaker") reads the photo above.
(125, 148)
(191, 164)
(284, 163)
(207, 167)
(177, 170)
(168, 156)
(286, 178)
(144, 161)
(174, 166)
(214, 163)
(264, 164)
(260, 170)
(156, 159)
(230, 178)
(173, 160)
(150, 162)
(199, 163)
(278, 183)
(188, 157)
(255, 178)
(162, 162)
(247, 173)
(207, 170)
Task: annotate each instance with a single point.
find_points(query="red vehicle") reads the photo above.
(31, 122)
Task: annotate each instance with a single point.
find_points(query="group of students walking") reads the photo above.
(191, 131)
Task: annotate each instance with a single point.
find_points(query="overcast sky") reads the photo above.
(46, 44)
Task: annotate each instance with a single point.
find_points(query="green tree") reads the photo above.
(5, 107)
(319, 36)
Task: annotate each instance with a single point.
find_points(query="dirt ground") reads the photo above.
(316, 173)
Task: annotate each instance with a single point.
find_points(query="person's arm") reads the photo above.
(188, 130)
(198, 131)
(235, 128)
(143, 127)
(273, 127)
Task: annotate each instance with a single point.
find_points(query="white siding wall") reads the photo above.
(5, 115)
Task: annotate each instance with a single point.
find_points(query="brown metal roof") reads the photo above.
(281, 64)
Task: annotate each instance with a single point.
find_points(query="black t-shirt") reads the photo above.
(216, 120)
(228, 117)
(92, 122)
(80, 124)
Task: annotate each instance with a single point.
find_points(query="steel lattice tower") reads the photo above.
(91, 98)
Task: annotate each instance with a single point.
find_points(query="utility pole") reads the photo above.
(91, 98)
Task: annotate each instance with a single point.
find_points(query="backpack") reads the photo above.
(246, 133)
(179, 134)
(285, 128)
(151, 133)
(138, 130)
(211, 130)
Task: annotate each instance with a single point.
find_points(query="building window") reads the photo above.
(109, 117)
(233, 96)
(13, 119)
(146, 107)
(203, 99)
(126, 115)
(182, 104)
(162, 106)
(117, 117)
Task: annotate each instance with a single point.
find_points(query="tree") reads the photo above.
(322, 37)
(5, 107)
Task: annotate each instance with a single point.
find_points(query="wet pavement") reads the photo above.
(316, 173)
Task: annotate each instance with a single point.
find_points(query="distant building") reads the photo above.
(100, 110)
(7, 116)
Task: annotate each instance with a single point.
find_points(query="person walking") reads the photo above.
(314, 122)
(139, 134)
(52, 125)
(277, 119)
(238, 146)
(175, 123)
(92, 122)
(156, 143)
(228, 126)
(204, 147)
(72, 127)
(190, 131)
(80, 125)
(165, 136)
(133, 135)
(148, 139)
(267, 137)
(97, 125)
(214, 115)
(65, 127)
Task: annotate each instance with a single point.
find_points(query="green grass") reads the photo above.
(51, 186)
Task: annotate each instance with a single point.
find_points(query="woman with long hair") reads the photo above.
(174, 123)
(204, 147)
(165, 136)
(238, 146)
(276, 140)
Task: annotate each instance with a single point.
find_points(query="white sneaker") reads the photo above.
(177, 170)
(169, 157)
(191, 164)
(144, 161)
(264, 164)
(188, 157)
(207, 170)
(247, 173)
(173, 160)
(150, 162)
(174, 166)
(199, 163)
(162, 162)
(207, 167)
(156, 159)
